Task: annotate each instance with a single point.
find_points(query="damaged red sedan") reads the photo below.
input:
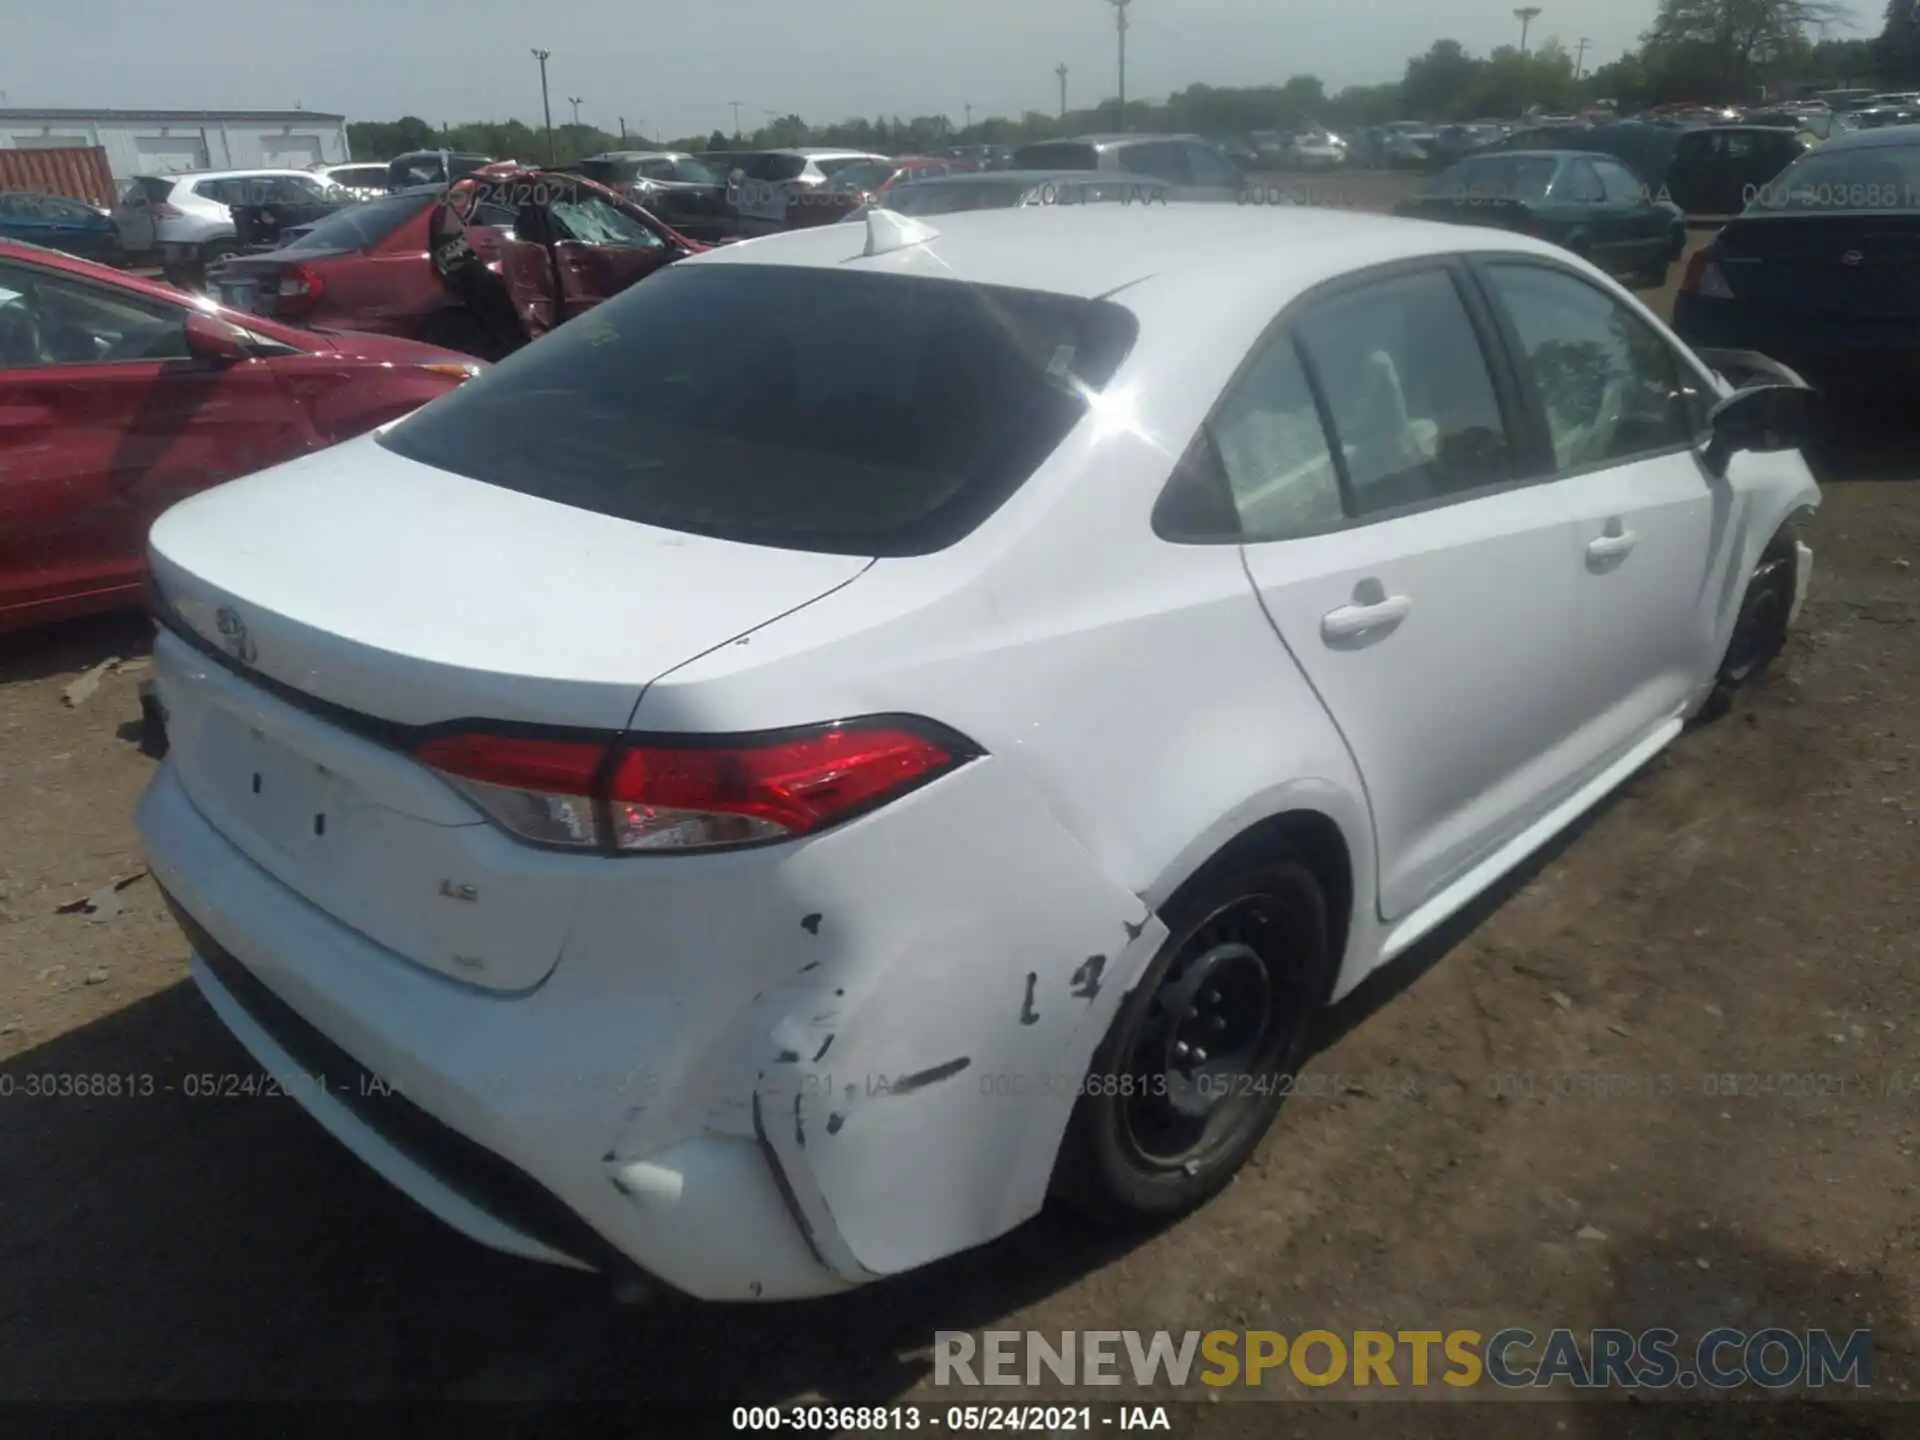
(496, 259)
(119, 396)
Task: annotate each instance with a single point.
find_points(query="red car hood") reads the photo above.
(362, 346)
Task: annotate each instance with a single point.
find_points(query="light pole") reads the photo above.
(1526, 15)
(1120, 27)
(546, 109)
(1061, 71)
(574, 100)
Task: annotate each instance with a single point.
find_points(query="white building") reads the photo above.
(165, 142)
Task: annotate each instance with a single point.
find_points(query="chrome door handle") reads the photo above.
(1606, 547)
(1351, 620)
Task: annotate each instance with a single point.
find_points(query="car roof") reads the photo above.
(1879, 137)
(1090, 251)
(1110, 140)
(1041, 177)
(180, 177)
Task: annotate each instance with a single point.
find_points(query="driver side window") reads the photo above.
(1612, 388)
(49, 320)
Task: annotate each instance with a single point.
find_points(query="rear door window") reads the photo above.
(1579, 185)
(1413, 403)
(810, 409)
(1621, 187)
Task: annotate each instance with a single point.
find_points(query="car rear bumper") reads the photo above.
(767, 1075)
(504, 1147)
(1842, 358)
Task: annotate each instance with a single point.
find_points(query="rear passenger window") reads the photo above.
(1413, 405)
(1612, 388)
(1274, 450)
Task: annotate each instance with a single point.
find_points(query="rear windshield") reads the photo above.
(1056, 155)
(1873, 177)
(358, 227)
(810, 409)
(1499, 177)
(772, 167)
(154, 189)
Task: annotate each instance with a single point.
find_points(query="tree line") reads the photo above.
(1695, 50)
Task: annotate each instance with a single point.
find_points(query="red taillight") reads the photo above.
(1703, 277)
(300, 291)
(665, 795)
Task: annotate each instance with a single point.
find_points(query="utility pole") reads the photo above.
(1061, 71)
(1526, 15)
(574, 100)
(1120, 27)
(1580, 58)
(623, 127)
(969, 117)
(736, 119)
(546, 109)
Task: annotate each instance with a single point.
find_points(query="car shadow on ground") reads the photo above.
(1866, 444)
(74, 646)
(189, 1239)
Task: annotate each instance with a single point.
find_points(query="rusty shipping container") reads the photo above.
(81, 173)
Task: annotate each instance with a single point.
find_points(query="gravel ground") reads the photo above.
(1533, 1132)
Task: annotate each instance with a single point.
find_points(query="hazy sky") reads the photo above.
(671, 65)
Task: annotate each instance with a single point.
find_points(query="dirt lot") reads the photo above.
(1745, 908)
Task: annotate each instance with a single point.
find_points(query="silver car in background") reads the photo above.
(1193, 168)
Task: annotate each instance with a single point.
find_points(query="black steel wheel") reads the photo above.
(1760, 632)
(1203, 1053)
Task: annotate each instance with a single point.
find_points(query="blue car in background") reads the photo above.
(57, 222)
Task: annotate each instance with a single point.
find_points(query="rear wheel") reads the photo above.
(1203, 1053)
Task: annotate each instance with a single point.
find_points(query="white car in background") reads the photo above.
(187, 220)
(364, 180)
(879, 726)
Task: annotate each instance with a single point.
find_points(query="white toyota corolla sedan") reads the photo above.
(879, 726)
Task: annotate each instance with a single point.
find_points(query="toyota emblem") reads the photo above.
(233, 634)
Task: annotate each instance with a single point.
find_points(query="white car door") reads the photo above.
(1425, 593)
(1655, 531)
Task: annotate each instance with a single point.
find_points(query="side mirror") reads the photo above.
(211, 338)
(1761, 418)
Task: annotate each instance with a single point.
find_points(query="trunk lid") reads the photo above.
(1863, 265)
(403, 595)
(398, 591)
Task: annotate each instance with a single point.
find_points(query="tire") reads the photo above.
(1760, 631)
(1260, 931)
